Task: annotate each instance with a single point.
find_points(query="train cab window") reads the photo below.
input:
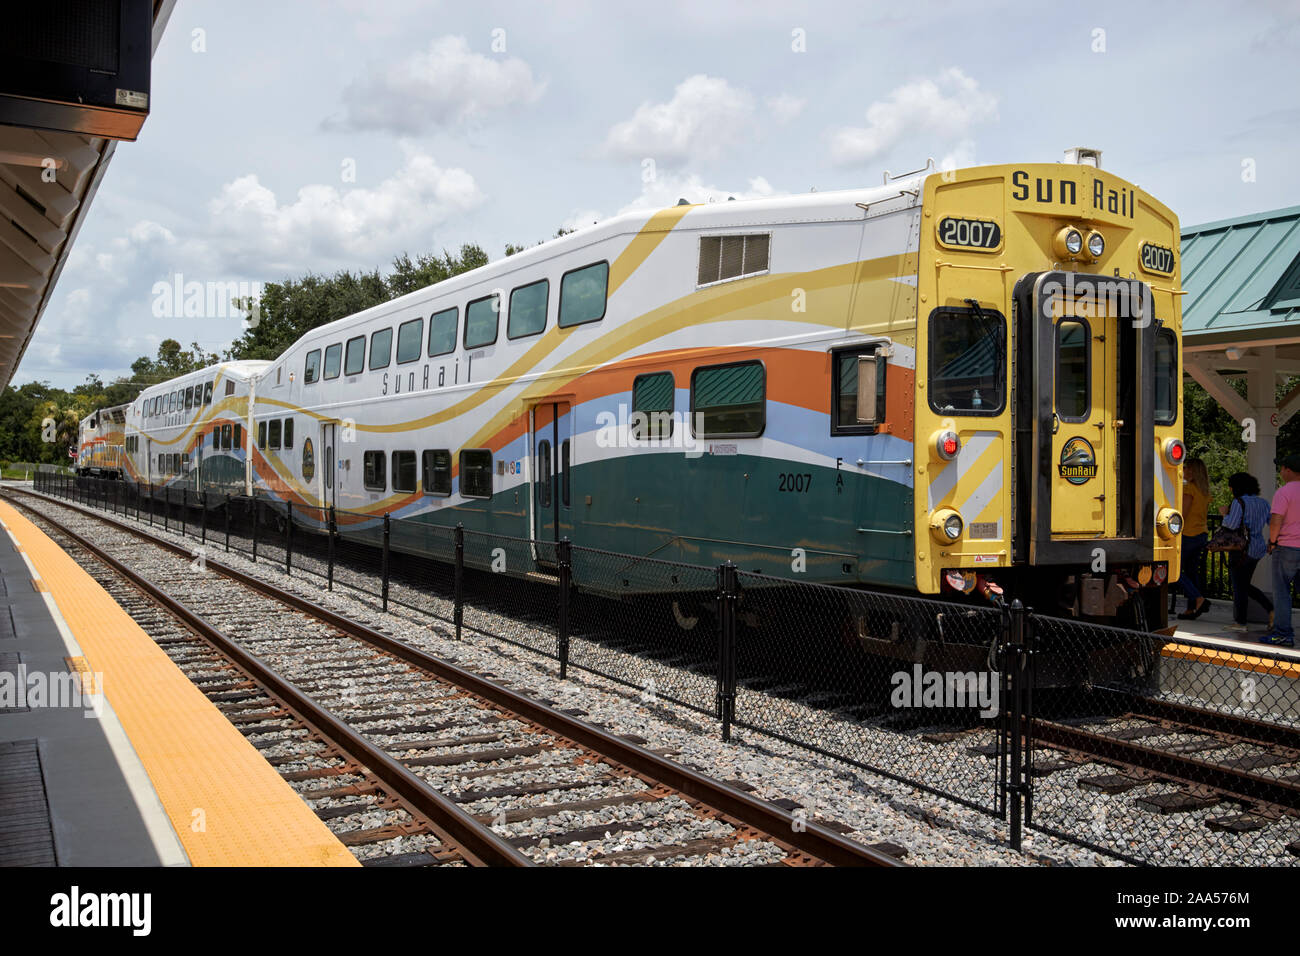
(404, 471)
(333, 359)
(1073, 370)
(652, 397)
(311, 368)
(381, 349)
(476, 473)
(481, 321)
(858, 403)
(354, 361)
(528, 309)
(373, 476)
(410, 342)
(729, 401)
(967, 361)
(442, 331)
(225, 436)
(1167, 381)
(544, 474)
(436, 465)
(261, 435)
(230, 388)
(582, 295)
(273, 434)
(288, 433)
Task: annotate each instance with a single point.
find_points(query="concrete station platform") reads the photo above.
(130, 765)
(1231, 669)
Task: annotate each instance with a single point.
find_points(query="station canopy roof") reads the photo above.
(41, 210)
(1242, 278)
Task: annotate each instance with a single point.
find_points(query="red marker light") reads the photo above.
(950, 446)
(1178, 452)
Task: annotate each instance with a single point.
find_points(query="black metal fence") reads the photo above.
(1125, 742)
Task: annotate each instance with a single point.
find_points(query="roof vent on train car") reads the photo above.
(1083, 156)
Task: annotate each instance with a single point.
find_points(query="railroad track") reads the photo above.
(413, 759)
(1247, 767)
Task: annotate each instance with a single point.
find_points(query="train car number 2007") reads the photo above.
(795, 482)
(970, 233)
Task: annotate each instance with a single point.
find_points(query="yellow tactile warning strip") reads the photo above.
(227, 804)
(1245, 662)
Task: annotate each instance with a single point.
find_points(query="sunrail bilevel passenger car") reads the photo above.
(190, 432)
(952, 384)
(100, 443)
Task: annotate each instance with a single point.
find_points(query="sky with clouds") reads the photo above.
(316, 135)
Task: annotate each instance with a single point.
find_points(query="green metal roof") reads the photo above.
(1242, 277)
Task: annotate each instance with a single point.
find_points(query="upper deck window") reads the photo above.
(333, 358)
(410, 341)
(381, 348)
(481, 321)
(528, 309)
(354, 362)
(968, 369)
(583, 293)
(442, 331)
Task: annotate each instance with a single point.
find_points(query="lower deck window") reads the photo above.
(437, 471)
(476, 473)
(729, 401)
(373, 476)
(404, 471)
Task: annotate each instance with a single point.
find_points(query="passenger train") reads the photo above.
(957, 383)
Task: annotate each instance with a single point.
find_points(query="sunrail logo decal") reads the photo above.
(1078, 461)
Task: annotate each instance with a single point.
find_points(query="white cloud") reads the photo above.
(948, 107)
(254, 231)
(446, 85)
(667, 189)
(706, 116)
(785, 107)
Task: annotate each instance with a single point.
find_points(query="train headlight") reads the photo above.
(946, 525)
(1169, 523)
(1068, 243)
(1096, 244)
(1175, 451)
(947, 443)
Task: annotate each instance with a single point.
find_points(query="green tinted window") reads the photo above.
(728, 400)
(582, 295)
(652, 396)
(410, 339)
(333, 355)
(355, 361)
(481, 321)
(528, 309)
(381, 348)
(442, 332)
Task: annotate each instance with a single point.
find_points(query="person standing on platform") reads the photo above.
(1196, 533)
(1251, 512)
(1284, 546)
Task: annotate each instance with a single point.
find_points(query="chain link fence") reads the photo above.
(1147, 748)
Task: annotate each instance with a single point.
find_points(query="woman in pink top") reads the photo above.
(1284, 546)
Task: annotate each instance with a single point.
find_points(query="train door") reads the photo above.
(1085, 436)
(328, 468)
(552, 446)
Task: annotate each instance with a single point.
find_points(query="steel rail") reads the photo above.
(803, 835)
(476, 843)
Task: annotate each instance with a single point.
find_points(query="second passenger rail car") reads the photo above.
(958, 383)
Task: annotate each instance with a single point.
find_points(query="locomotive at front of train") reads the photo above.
(1048, 426)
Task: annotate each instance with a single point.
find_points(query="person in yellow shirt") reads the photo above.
(1196, 505)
